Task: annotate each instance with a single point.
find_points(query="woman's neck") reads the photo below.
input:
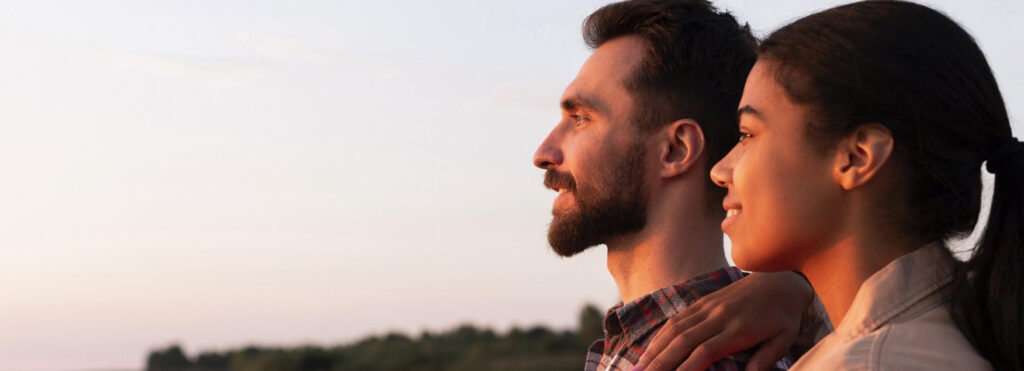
(836, 272)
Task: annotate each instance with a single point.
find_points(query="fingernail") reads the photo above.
(638, 368)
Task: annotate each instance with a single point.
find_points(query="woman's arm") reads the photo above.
(775, 312)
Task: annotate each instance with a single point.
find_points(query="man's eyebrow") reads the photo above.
(579, 101)
(749, 110)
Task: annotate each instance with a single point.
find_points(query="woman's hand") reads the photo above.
(763, 310)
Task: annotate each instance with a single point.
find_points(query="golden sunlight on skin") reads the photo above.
(777, 182)
(791, 207)
(594, 131)
(594, 125)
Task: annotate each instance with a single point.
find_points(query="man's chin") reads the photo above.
(566, 251)
(566, 238)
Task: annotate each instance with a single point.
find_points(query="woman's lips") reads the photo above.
(730, 217)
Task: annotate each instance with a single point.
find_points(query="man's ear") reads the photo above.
(861, 154)
(683, 144)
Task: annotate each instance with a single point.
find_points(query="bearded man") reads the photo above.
(651, 110)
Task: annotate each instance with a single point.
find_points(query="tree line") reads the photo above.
(466, 347)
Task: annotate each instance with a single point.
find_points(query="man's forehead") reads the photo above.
(609, 65)
(604, 74)
(621, 53)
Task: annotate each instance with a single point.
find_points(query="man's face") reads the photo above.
(595, 157)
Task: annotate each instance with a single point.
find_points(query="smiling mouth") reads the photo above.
(558, 182)
(732, 212)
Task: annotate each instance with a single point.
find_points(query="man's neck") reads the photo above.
(664, 254)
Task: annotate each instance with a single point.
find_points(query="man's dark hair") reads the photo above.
(695, 64)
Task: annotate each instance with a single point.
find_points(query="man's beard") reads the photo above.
(615, 207)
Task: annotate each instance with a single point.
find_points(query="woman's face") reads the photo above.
(781, 206)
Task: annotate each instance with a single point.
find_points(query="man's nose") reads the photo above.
(548, 154)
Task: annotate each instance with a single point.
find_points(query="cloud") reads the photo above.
(540, 98)
(389, 74)
(220, 72)
(281, 49)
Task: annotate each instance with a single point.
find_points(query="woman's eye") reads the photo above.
(744, 136)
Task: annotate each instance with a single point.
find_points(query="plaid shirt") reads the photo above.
(629, 328)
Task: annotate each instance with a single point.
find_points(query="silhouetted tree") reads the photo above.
(169, 359)
(212, 361)
(465, 347)
(591, 324)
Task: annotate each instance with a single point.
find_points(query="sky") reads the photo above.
(218, 174)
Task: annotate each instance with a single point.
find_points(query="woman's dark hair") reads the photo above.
(918, 73)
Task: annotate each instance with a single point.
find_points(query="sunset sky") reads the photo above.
(218, 174)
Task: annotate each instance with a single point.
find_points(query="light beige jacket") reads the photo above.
(899, 321)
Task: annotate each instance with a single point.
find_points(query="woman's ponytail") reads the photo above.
(988, 298)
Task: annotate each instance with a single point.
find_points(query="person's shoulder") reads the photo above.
(739, 360)
(833, 353)
(929, 341)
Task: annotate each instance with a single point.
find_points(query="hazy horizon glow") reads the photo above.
(232, 173)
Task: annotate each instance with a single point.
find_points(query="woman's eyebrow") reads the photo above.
(749, 110)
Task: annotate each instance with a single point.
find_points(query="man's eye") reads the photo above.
(578, 118)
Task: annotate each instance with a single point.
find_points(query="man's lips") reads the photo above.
(559, 189)
(557, 182)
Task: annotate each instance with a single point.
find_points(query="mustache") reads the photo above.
(554, 179)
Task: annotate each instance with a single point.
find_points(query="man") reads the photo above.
(648, 115)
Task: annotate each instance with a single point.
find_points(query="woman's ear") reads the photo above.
(683, 144)
(861, 154)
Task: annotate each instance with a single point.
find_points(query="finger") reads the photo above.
(668, 332)
(681, 346)
(768, 353)
(711, 351)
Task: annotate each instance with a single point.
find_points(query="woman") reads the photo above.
(863, 133)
